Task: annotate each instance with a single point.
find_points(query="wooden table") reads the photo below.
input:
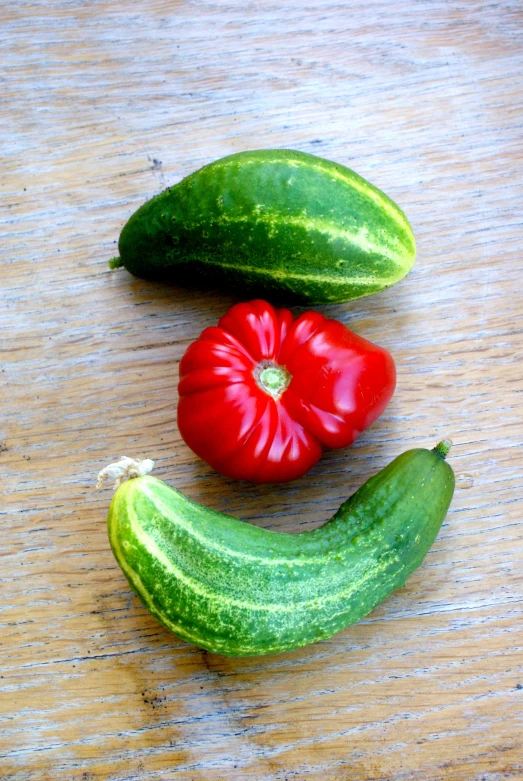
(105, 104)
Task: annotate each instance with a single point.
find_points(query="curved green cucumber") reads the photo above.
(240, 590)
(273, 222)
(237, 590)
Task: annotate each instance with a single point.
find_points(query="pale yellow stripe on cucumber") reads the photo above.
(336, 175)
(133, 576)
(140, 589)
(199, 639)
(177, 628)
(369, 192)
(360, 239)
(283, 274)
(157, 553)
(154, 550)
(168, 512)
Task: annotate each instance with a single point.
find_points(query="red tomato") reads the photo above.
(262, 394)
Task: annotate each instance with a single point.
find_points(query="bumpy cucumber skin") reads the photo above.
(240, 590)
(277, 223)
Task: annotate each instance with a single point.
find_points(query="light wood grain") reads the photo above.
(103, 105)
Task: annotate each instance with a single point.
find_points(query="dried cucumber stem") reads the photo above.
(442, 448)
(124, 469)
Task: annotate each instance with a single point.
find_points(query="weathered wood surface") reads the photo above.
(104, 104)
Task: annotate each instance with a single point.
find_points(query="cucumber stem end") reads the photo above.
(115, 263)
(442, 448)
(124, 469)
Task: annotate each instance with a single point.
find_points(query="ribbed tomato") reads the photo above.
(261, 394)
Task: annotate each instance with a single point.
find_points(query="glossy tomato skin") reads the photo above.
(323, 386)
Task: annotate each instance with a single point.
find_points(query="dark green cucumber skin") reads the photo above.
(240, 590)
(276, 223)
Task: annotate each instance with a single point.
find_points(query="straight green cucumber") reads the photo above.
(273, 222)
(240, 590)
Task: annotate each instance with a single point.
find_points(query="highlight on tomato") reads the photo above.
(262, 394)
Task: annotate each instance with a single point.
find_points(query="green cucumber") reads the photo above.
(240, 590)
(272, 222)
